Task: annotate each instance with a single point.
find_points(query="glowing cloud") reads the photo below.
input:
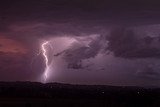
(8, 45)
(80, 48)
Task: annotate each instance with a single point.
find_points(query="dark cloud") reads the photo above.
(91, 12)
(149, 71)
(124, 43)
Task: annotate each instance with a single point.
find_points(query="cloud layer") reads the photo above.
(116, 42)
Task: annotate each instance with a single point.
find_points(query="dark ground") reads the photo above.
(32, 94)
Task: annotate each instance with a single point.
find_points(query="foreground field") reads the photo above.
(13, 102)
(28, 94)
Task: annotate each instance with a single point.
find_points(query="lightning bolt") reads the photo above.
(44, 51)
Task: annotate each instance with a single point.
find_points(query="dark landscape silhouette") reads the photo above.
(34, 94)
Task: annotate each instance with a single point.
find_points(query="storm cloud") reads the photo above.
(115, 42)
(130, 45)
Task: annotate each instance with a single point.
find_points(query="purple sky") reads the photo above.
(91, 41)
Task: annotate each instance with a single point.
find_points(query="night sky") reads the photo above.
(103, 42)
